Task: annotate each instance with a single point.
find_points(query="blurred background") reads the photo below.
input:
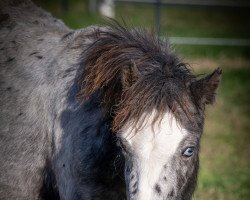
(206, 34)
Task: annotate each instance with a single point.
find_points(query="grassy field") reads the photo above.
(225, 150)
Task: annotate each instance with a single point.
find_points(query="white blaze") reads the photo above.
(153, 149)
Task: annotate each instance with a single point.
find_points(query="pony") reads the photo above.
(97, 113)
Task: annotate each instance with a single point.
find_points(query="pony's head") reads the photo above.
(157, 107)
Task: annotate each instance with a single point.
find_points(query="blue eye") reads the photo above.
(188, 152)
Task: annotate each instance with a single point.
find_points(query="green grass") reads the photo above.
(225, 150)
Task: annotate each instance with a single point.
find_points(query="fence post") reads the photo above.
(92, 6)
(64, 5)
(158, 16)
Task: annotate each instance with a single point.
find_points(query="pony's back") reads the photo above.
(48, 139)
(30, 61)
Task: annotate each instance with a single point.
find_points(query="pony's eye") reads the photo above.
(188, 152)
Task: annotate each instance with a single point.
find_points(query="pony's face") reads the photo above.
(161, 146)
(161, 160)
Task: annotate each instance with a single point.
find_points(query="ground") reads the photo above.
(225, 164)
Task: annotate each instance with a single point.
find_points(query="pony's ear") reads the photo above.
(204, 89)
(129, 75)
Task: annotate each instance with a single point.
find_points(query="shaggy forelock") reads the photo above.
(159, 79)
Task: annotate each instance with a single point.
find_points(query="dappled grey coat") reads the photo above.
(39, 58)
(66, 98)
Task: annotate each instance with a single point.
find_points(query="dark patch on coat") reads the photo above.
(39, 57)
(10, 59)
(171, 193)
(49, 190)
(4, 17)
(9, 88)
(33, 53)
(135, 185)
(65, 36)
(35, 22)
(158, 189)
(16, 3)
(134, 191)
(20, 114)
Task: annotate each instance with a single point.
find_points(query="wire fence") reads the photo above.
(210, 3)
(209, 41)
(213, 4)
(197, 3)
